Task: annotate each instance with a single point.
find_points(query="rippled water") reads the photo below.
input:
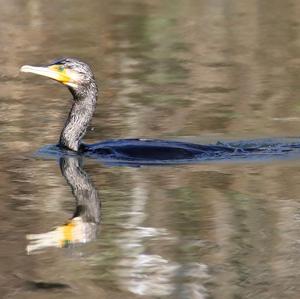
(198, 71)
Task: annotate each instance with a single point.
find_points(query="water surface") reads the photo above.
(198, 71)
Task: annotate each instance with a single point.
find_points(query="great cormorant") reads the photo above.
(79, 79)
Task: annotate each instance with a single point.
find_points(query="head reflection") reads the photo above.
(83, 225)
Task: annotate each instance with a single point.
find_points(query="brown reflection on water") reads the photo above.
(196, 70)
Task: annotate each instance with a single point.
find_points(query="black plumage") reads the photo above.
(79, 79)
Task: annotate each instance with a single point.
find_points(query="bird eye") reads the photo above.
(60, 68)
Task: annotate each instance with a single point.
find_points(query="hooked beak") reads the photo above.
(53, 71)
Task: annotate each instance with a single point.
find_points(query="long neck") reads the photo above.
(86, 196)
(78, 120)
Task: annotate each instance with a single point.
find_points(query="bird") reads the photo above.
(78, 77)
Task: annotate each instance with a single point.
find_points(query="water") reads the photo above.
(198, 71)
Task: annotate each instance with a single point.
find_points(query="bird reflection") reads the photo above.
(83, 225)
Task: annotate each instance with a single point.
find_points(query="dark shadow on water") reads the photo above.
(46, 286)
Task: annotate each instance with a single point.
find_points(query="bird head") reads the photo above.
(71, 72)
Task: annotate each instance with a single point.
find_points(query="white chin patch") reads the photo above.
(74, 77)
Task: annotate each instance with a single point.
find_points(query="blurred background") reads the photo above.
(194, 70)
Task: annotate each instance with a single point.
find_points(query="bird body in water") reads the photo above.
(79, 79)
